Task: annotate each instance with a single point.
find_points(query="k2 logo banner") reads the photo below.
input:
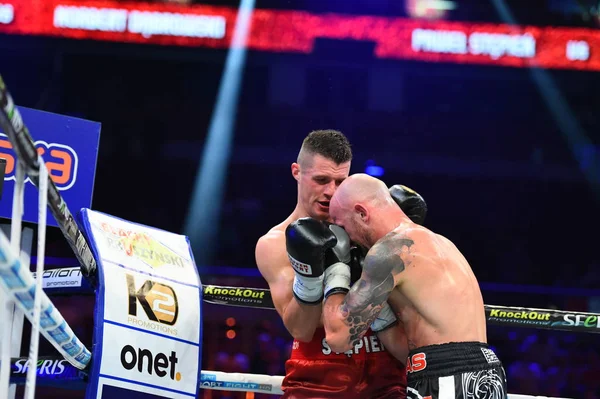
(158, 301)
(149, 327)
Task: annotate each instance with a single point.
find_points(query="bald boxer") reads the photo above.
(427, 282)
(294, 260)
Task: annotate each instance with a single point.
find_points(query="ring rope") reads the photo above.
(260, 298)
(270, 384)
(19, 285)
(549, 319)
(214, 380)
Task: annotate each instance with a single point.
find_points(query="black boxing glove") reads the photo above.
(356, 263)
(307, 243)
(337, 261)
(411, 202)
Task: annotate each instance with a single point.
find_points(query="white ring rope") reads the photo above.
(7, 303)
(37, 302)
(19, 285)
(241, 382)
(270, 384)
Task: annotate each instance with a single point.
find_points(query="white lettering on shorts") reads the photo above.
(368, 344)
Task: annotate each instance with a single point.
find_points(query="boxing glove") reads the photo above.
(385, 319)
(411, 202)
(337, 263)
(307, 243)
(356, 263)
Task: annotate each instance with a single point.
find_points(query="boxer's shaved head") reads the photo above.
(364, 207)
(330, 144)
(364, 189)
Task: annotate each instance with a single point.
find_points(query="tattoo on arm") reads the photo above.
(364, 301)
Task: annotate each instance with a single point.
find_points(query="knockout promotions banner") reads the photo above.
(147, 337)
(69, 147)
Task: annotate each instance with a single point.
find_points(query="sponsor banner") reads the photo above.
(543, 318)
(146, 249)
(148, 359)
(271, 30)
(153, 304)
(580, 321)
(147, 335)
(209, 381)
(68, 277)
(238, 296)
(69, 147)
(65, 281)
(45, 367)
(530, 317)
(240, 382)
(51, 371)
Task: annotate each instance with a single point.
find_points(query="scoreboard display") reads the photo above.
(297, 31)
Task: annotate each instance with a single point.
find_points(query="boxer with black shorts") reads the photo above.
(422, 278)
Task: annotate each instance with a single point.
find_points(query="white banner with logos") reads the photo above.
(66, 277)
(147, 338)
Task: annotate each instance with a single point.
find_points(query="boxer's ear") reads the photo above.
(362, 212)
(296, 171)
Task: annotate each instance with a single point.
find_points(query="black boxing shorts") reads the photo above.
(368, 371)
(457, 370)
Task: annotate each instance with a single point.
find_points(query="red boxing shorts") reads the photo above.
(314, 371)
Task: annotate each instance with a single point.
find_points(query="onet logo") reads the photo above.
(61, 161)
(145, 360)
(159, 301)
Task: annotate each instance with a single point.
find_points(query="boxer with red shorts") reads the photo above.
(368, 371)
(295, 261)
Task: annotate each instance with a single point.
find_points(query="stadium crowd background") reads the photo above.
(480, 143)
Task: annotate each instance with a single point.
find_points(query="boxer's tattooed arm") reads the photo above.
(388, 258)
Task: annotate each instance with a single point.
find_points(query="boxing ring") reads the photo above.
(32, 296)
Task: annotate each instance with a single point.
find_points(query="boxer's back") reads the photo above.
(437, 293)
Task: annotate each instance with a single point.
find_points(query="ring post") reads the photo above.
(147, 327)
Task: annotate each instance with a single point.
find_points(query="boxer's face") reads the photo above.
(350, 219)
(318, 178)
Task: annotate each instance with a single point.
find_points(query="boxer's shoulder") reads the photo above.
(405, 237)
(270, 251)
(273, 238)
(393, 243)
